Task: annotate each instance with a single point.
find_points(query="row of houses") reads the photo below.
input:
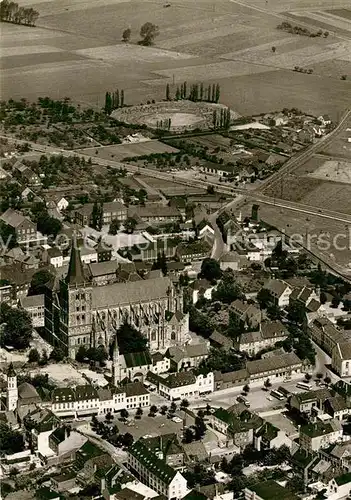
(74, 402)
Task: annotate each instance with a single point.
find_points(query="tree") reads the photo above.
(139, 412)
(335, 302)
(148, 33)
(109, 417)
(44, 358)
(130, 224)
(323, 297)
(319, 376)
(188, 436)
(127, 33)
(122, 98)
(97, 216)
(127, 440)
(97, 354)
(114, 227)
(177, 94)
(308, 376)
(16, 327)
(124, 414)
(81, 354)
(210, 269)
(153, 409)
(267, 384)
(274, 49)
(246, 389)
(10, 441)
(164, 409)
(217, 93)
(130, 339)
(108, 103)
(117, 102)
(296, 313)
(184, 403)
(228, 289)
(57, 354)
(46, 224)
(168, 93)
(200, 428)
(327, 379)
(161, 263)
(39, 281)
(8, 238)
(173, 407)
(33, 356)
(264, 298)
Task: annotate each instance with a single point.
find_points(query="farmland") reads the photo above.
(120, 151)
(324, 181)
(76, 51)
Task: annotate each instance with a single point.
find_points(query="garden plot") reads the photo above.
(310, 55)
(325, 17)
(196, 26)
(255, 53)
(14, 35)
(344, 13)
(120, 151)
(28, 50)
(333, 170)
(204, 72)
(129, 52)
(203, 36)
(305, 56)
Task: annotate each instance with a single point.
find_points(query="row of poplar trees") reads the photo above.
(114, 100)
(221, 118)
(197, 92)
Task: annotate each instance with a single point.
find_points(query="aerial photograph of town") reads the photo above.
(175, 249)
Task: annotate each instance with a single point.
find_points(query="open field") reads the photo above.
(76, 51)
(340, 146)
(321, 182)
(120, 151)
(334, 170)
(169, 188)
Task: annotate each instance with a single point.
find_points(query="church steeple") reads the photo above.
(75, 275)
(12, 391)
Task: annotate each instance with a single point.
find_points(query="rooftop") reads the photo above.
(133, 359)
(320, 428)
(179, 379)
(270, 364)
(13, 218)
(126, 293)
(271, 490)
(32, 301)
(150, 461)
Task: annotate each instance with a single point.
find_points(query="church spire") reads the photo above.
(11, 371)
(75, 275)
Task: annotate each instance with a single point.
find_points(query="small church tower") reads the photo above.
(12, 390)
(116, 364)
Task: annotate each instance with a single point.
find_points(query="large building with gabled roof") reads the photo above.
(153, 471)
(77, 313)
